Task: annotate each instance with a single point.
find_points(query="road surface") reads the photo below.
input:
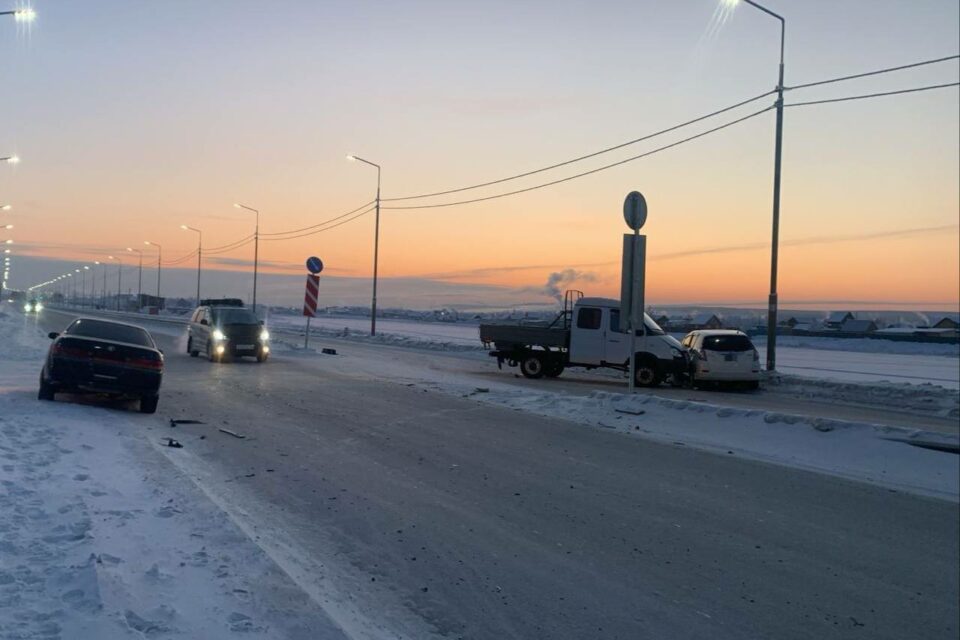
(407, 513)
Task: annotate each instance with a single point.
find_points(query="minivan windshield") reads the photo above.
(234, 316)
(727, 343)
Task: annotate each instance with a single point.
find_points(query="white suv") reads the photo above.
(723, 355)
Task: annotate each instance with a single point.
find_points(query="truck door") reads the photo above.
(617, 347)
(586, 340)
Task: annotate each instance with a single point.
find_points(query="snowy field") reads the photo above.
(842, 359)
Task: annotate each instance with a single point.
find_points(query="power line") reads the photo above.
(872, 73)
(592, 171)
(180, 259)
(874, 95)
(584, 157)
(319, 224)
(334, 226)
(231, 244)
(212, 252)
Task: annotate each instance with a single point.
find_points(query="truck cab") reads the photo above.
(597, 339)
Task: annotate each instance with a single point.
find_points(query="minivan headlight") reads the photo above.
(264, 335)
(219, 335)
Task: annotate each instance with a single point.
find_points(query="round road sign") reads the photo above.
(314, 264)
(635, 210)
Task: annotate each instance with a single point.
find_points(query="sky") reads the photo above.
(133, 117)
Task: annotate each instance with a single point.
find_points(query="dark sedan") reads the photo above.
(100, 356)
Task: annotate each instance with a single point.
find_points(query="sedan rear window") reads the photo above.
(110, 331)
(727, 343)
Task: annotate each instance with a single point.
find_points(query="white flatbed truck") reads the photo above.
(588, 334)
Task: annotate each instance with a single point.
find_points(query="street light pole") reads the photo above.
(256, 249)
(159, 266)
(21, 15)
(777, 158)
(376, 246)
(199, 252)
(119, 271)
(139, 278)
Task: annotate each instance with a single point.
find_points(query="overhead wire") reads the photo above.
(319, 224)
(592, 171)
(228, 249)
(871, 73)
(332, 226)
(587, 156)
(872, 95)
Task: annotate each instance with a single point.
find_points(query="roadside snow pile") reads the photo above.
(860, 451)
(863, 345)
(922, 398)
(391, 339)
(101, 537)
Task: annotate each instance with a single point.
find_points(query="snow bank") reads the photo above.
(101, 537)
(860, 451)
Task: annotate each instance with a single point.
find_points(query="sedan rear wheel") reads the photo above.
(148, 403)
(46, 390)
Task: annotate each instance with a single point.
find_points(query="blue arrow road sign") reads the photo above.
(314, 264)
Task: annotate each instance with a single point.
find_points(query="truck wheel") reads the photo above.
(647, 373)
(532, 367)
(553, 370)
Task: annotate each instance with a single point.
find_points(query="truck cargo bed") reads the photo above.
(504, 335)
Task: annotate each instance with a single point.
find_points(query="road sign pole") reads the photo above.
(632, 286)
(633, 313)
(306, 339)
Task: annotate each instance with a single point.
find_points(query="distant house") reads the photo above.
(858, 326)
(705, 321)
(836, 319)
(663, 320)
(946, 323)
(789, 322)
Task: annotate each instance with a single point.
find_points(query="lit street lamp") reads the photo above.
(159, 261)
(778, 152)
(10, 159)
(199, 252)
(376, 246)
(256, 249)
(139, 277)
(6, 207)
(21, 15)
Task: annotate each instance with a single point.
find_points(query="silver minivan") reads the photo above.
(722, 355)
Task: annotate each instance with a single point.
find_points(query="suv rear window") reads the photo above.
(727, 343)
(110, 331)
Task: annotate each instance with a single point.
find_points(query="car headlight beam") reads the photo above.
(219, 335)
(264, 335)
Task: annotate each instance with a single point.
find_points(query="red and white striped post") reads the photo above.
(310, 303)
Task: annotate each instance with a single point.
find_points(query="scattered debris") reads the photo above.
(328, 351)
(174, 422)
(481, 390)
(232, 433)
(631, 412)
(173, 443)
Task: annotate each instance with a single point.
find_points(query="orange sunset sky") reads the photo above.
(132, 120)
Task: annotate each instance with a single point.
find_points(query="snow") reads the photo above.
(100, 537)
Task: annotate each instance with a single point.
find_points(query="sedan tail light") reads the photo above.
(152, 362)
(60, 349)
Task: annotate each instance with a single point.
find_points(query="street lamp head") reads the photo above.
(5, 207)
(146, 242)
(25, 15)
(86, 268)
(184, 227)
(8, 242)
(9, 226)
(13, 160)
(351, 158)
(96, 262)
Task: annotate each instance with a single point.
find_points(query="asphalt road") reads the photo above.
(420, 513)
